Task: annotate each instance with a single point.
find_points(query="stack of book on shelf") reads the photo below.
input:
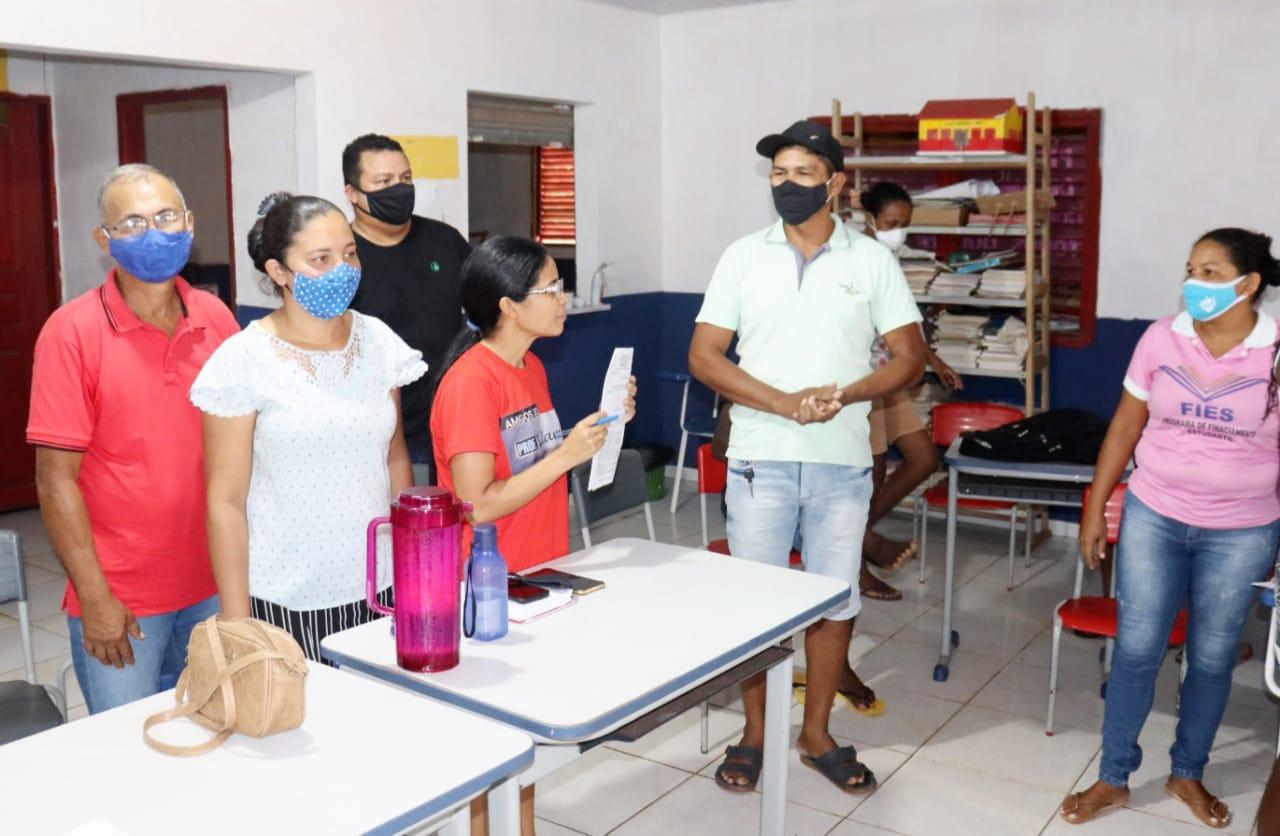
(988, 220)
(954, 284)
(985, 261)
(919, 266)
(919, 277)
(1004, 348)
(1004, 284)
(957, 338)
(1064, 323)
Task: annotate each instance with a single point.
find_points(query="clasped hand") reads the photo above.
(814, 405)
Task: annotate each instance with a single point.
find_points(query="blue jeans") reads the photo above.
(1162, 565)
(824, 505)
(157, 659)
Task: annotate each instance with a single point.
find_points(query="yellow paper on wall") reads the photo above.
(4, 71)
(431, 157)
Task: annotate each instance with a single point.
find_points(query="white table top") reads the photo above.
(368, 758)
(669, 618)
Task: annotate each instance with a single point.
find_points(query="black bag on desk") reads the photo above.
(1070, 436)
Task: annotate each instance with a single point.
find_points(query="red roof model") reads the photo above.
(970, 126)
(967, 108)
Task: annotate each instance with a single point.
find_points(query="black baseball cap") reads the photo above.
(804, 133)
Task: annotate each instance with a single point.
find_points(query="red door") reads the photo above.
(29, 283)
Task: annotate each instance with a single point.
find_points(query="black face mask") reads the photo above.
(797, 204)
(393, 205)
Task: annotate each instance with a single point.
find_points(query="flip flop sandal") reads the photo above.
(1210, 812)
(799, 684)
(1075, 810)
(874, 710)
(840, 765)
(881, 591)
(740, 760)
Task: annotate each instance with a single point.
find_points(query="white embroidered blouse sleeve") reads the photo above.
(224, 386)
(403, 364)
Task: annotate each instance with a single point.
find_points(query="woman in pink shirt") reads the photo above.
(1201, 519)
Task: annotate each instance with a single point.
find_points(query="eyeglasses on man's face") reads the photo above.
(166, 220)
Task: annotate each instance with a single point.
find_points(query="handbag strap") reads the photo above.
(223, 678)
(190, 704)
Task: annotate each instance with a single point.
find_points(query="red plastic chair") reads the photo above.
(713, 474)
(950, 420)
(1098, 614)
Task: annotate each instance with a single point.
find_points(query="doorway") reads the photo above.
(521, 174)
(184, 133)
(30, 286)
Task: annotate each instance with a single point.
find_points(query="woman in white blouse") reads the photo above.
(302, 431)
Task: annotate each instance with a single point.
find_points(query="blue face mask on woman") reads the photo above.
(153, 256)
(1210, 300)
(327, 296)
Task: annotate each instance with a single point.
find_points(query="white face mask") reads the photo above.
(894, 239)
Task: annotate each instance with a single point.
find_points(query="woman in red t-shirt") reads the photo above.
(494, 428)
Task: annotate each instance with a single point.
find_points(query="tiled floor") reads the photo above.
(968, 756)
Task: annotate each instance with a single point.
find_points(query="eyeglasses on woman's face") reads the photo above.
(554, 290)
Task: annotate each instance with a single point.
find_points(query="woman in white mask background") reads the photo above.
(894, 420)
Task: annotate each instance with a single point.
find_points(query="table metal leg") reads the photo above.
(504, 808)
(459, 824)
(950, 638)
(777, 740)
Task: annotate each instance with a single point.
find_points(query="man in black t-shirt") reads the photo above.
(410, 275)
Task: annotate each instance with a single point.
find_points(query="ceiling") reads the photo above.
(663, 7)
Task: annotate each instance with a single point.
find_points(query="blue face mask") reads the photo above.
(327, 296)
(153, 256)
(1210, 300)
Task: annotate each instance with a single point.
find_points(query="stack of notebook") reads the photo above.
(1005, 348)
(1004, 284)
(957, 338)
(954, 284)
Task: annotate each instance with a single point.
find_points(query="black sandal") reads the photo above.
(839, 766)
(740, 760)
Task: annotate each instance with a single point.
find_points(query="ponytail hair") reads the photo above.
(281, 216)
(503, 267)
(1250, 252)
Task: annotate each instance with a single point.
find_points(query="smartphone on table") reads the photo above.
(552, 579)
(519, 592)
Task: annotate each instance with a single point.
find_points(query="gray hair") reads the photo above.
(132, 173)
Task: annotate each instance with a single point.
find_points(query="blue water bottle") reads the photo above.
(484, 612)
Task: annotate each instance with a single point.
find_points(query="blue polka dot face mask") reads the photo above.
(327, 296)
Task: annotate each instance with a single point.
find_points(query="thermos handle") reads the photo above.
(371, 576)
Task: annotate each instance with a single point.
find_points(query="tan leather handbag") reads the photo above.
(242, 675)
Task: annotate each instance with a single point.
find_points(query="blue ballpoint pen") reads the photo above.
(608, 419)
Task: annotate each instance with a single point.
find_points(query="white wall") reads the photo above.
(404, 67)
(1190, 130)
(261, 113)
(184, 140)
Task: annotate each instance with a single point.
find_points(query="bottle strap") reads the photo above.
(469, 604)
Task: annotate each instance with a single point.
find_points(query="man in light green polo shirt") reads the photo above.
(805, 299)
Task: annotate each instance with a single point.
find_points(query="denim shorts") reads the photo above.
(821, 506)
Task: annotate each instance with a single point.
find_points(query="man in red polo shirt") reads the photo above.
(119, 461)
